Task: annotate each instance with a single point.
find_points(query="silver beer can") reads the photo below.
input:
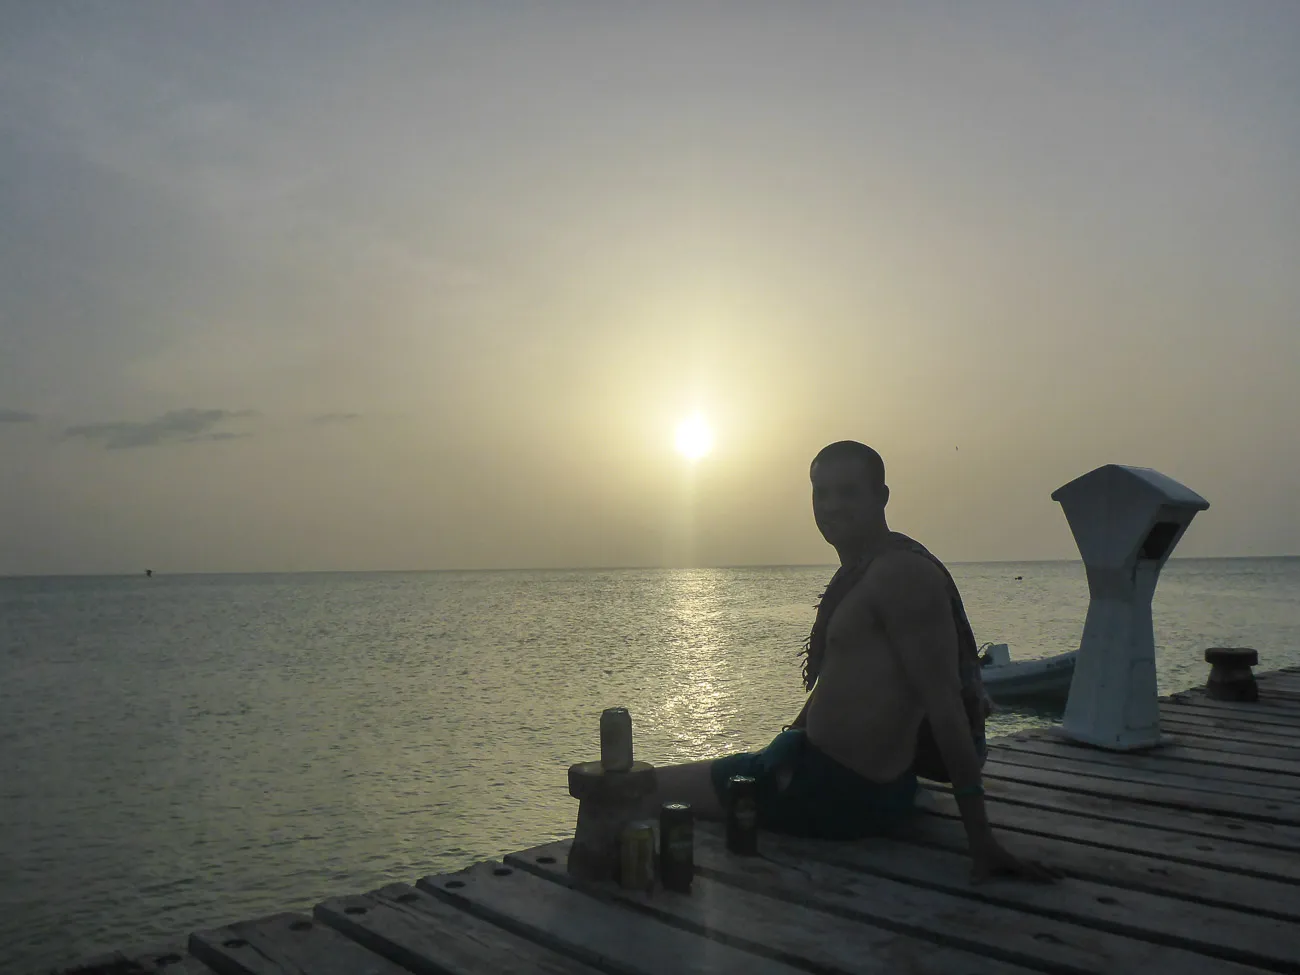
(615, 740)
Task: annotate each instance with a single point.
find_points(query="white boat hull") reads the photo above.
(1047, 679)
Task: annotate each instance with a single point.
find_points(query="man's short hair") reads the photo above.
(851, 449)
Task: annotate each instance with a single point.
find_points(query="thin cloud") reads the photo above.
(336, 418)
(177, 426)
(17, 416)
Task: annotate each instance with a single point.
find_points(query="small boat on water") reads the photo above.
(1044, 680)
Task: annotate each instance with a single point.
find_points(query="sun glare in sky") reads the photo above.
(694, 438)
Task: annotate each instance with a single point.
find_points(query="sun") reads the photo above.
(694, 438)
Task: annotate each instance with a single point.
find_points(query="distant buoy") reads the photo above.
(148, 573)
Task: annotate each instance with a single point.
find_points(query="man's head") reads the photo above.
(849, 492)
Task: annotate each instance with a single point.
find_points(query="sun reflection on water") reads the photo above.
(699, 704)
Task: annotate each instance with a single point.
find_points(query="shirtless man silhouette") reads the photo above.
(889, 661)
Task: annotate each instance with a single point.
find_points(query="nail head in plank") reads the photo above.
(777, 928)
(285, 943)
(424, 934)
(587, 928)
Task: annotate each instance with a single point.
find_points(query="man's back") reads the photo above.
(864, 712)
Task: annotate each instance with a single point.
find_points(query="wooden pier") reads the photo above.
(1182, 859)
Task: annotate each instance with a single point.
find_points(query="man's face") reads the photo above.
(844, 502)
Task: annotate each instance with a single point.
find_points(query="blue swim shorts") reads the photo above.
(824, 799)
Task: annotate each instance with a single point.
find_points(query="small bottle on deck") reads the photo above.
(676, 846)
(615, 740)
(742, 815)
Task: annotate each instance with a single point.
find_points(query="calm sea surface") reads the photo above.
(180, 752)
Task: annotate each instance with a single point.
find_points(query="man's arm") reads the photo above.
(911, 600)
(802, 718)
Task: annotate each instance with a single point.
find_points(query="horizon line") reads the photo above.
(584, 568)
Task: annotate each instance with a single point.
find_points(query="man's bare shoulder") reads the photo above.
(898, 575)
(900, 580)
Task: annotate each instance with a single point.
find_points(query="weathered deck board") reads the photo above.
(1272, 721)
(757, 923)
(1181, 858)
(971, 922)
(1271, 698)
(588, 928)
(424, 934)
(1216, 734)
(1110, 809)
(1269, 683)
(1104, 765)
(1282, 811)
(167, 959)
(1271, 690)
(1283, 694)
(1222, 932)
(1279, 683)
(1207, 871)
(1177, 755)
(287, 942)
(1209, 730)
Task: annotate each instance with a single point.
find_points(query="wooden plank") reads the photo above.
(609, 936)
(165, 959)
(1279, 682)
(1103, 765)
(1177, 756)
(1232, 730)
(424, 934)
(1274, 700)
(1212, 740)
(1284, 686)
(1204, 929)
(763, 925)
(1200, 736)
(977, 919)
(1279, 679)
(1111, 809)
(1234, 720)
(1212, 871)
(1271, 710)
(1285, 695)
(285, 944)
(1284, 812)
(1273, 724)
(1231, 727)
(1227, 729)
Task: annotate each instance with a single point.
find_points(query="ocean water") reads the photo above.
(180, 752)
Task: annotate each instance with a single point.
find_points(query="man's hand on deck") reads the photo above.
(992, 860)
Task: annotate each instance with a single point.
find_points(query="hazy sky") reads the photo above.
(337, 285)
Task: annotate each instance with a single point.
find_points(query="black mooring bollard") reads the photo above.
(1231, 678)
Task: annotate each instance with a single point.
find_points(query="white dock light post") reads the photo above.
(1126, 522)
